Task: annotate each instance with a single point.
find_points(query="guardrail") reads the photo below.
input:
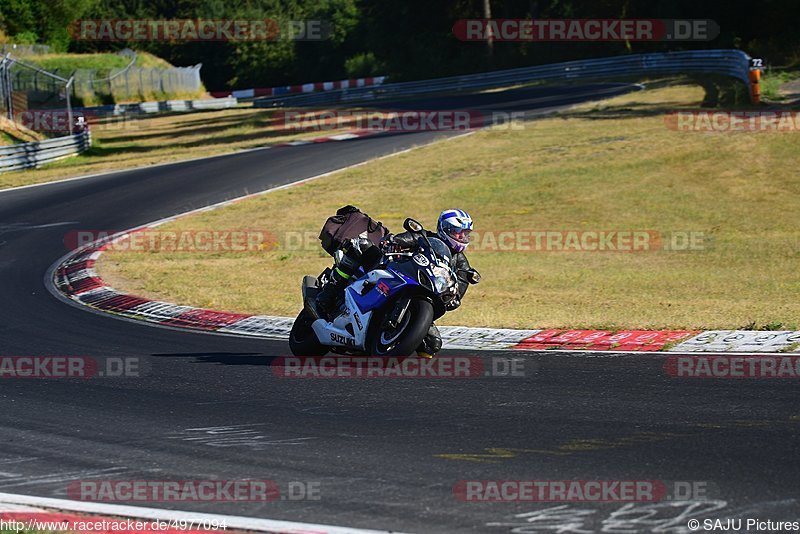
(37, 153)
(313, 87)
(733, 63)
(162, 106)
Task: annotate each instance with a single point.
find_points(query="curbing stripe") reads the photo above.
(73, 278)
(77, 280)
(624, 340)
(57, 283)
(742, 341)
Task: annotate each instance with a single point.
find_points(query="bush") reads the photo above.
(364, 64)
(26, 38)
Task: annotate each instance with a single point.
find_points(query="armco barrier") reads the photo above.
(302, 88)
(162, 107)
(733, 63)
(31, 155)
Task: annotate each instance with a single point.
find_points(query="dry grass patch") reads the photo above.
(119, 143)
(607, 166)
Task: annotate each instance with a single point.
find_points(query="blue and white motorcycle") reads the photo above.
(386, 311)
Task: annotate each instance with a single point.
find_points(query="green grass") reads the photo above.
(607, 166)
(127, 143)
(102, 62)
(6, 139)
(772, 80)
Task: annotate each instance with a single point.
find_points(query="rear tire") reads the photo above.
(408, 335)
(302, 339)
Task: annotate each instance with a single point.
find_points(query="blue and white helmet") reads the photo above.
(454, 227)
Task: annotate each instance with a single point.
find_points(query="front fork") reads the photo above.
(399, 311)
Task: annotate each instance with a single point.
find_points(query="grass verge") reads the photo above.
(102, 62)
(610, 166)
(119, 143)
(771, 83)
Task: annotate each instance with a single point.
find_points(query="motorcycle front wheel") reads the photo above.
(403, 339)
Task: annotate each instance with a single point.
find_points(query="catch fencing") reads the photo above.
(135, 83)
(26, 88)
(24, 49)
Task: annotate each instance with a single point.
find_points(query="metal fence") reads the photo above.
(31, 155)
(36, 99)
(24, 49)
(733, 63)
(135, 83)
(164, 106)
(32, 96)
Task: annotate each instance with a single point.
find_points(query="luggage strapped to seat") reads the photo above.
(350, 223)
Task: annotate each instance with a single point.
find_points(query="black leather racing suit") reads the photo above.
(432, 343)
(459, 262)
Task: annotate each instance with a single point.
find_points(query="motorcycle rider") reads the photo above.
(453, 228)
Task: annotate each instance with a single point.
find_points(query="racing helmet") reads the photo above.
(454, 227)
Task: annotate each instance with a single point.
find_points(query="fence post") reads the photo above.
(74, 85)
(7, 82)
(197, 76)
(69, 104)
(3, 86)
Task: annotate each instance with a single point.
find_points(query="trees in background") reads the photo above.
(406, 39)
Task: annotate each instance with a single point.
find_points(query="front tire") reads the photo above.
(302, 339)
(403, 340)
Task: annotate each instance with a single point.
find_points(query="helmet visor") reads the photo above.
(459, 235)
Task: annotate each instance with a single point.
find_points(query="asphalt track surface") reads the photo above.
(373, 446)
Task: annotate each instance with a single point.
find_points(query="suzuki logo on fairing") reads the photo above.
(383, 288)
(342, 340)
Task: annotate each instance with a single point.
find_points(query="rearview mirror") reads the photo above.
(412, 226)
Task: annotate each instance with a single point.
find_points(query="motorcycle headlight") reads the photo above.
(443, 278)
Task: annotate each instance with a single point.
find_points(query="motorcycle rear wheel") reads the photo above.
(302, 339)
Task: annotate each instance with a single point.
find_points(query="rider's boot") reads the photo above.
(330, 296)
(431, 343)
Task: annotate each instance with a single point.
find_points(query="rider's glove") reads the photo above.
(452, 304)
(388, 246)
